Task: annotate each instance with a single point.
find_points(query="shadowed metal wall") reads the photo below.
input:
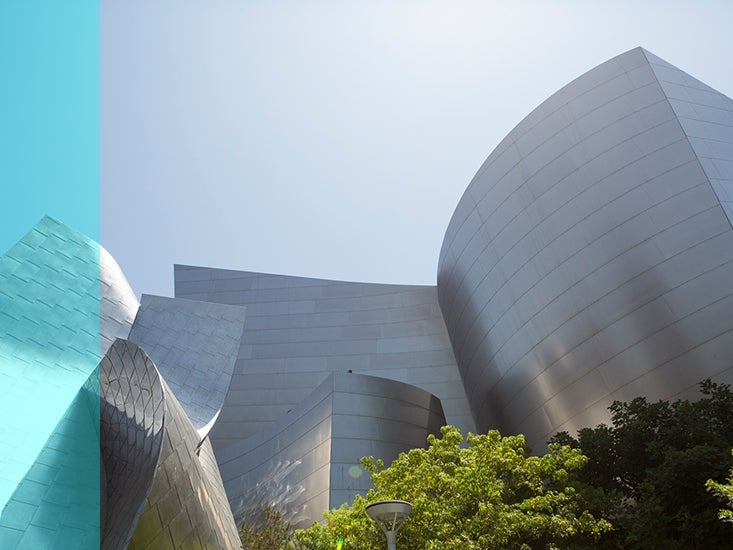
(186, 506)
(590, 258)
(131, 436)
(163, 489)
(299, 330)
(308, 461)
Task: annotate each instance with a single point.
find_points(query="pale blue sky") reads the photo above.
(334, 139)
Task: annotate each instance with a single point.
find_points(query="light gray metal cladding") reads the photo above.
(131, 436)
(186, 506)
(194, 345)
(299, 330)
(308, 461)
(590, 258)
(118, 304)
(706, 116)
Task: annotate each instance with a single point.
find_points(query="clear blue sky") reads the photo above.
(334, 139)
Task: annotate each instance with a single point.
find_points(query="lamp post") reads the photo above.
(389, 515)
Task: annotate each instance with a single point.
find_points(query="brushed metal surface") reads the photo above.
(308, 461)
(589, 259)
(131, 437)
(194, 346)
(300, 330)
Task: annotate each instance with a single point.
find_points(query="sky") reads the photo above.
(49, 116)
(334, 139)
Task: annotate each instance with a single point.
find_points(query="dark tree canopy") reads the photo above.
(653, 462)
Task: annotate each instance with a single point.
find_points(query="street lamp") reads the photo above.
(389, 515)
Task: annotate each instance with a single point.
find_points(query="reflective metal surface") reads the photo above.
(308, 461)
(49, 350)
(118, 304)
(186, 506)
(194, 346)
(162, 486)
(299, 330)
(131, 436)
(590, 258)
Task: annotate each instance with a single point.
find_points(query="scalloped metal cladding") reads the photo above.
(590, 259)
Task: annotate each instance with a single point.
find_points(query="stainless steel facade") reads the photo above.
(161, 486)
(131, 436)
(590, 258)
(194, 346)
(187, 505)
(299, 330)
(308, 461)
(61, 298)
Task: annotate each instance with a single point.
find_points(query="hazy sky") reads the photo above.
(334, 139)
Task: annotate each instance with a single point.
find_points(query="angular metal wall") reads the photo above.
(590, 258)
(194, 346)
(300, 330)
(706, 116)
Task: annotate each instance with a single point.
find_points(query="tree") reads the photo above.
(274, 534)
(653, 462)
(724, 492)
(487, 494)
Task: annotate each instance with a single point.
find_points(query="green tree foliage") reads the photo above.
(274, 534)
(487, 494)
(724, 492)
(653, 462)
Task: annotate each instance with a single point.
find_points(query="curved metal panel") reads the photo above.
(131, 437)
(194, 346)
(186, 506)
(589, 259)
(300, 330)
(49, 347)
(118, 304)
(308, 461)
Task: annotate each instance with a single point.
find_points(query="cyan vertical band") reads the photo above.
(49, 282)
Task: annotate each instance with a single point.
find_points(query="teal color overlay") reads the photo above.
(49, 354)
(49, 115)
(49, 283)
